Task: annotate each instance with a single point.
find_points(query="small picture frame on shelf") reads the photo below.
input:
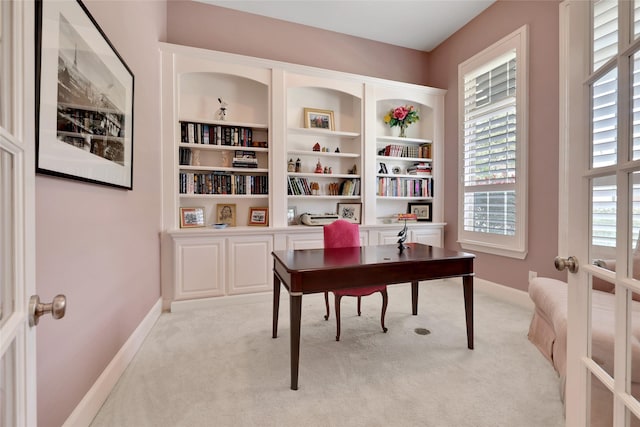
(259, 216)
(422, 210)
(351, 212)
(226, 214)
(191, 217)
(292, 213)
(318, 119)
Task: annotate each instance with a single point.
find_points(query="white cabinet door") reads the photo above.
(200, 267)
(431, 236)
(306, 240)
(250, 264)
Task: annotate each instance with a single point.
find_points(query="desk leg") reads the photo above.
(276, 304)
(414, 298)
(467, 283)
(295, 306)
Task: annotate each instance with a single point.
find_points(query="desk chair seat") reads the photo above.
(343, 234)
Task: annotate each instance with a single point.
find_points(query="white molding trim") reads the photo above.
(496, 290)
(91, 403)
(504, 293)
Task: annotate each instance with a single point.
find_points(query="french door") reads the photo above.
(17, 219)
(600, 208)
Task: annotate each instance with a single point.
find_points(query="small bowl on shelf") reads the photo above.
(219, 225)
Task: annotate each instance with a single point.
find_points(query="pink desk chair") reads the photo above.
(343, 234)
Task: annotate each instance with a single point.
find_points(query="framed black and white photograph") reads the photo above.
(318, 119)
(351, 212)
(422, 210)
(84, 99)
(191, 217)
(259, 216)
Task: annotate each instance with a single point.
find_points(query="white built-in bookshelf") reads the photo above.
(265, 154)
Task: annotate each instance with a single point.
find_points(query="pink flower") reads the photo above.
(400, 113)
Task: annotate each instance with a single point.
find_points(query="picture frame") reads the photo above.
(84, 99)
(259, 216)
(351, 212)
(191, 217)
(292, 214)
(318, 119)
(226, 214)
(423, 210)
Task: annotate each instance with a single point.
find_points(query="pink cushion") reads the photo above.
(344, 234)
(341, 234)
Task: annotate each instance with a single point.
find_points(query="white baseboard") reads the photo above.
(504, 293)
(91, 403)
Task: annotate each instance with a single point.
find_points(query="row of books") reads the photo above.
(222, 183)
(202, 133)
(297, 186)
(396, 150)
(405, 187)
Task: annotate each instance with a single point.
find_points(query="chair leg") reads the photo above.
(337, 302)
(359, 298)
(326, 303)
(385, 300)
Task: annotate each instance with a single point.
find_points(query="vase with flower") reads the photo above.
(402, 117)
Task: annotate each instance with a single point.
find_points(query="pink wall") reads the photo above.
(499, 20)
(216, 28)
(98, 245)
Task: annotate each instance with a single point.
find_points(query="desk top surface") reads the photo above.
(326, 258)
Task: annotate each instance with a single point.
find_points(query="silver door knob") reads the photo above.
(57, 308)
(570, 264)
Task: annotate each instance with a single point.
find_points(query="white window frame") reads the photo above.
(510, 246)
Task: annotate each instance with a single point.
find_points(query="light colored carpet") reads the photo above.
(220, 367)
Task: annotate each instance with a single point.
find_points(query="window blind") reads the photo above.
(490, 148)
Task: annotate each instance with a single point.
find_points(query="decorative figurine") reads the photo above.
(316, 147)
(298, 165)
(291, 166)
(337, 149)
(318, 167)
(315, 188)
(325, 170)
(330, 170)
(354, 171)
(222, 112)
(402, 237)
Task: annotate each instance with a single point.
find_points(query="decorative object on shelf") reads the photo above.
(191, 217)
(226, 159)
(259, 216)
(222, 111)
(220, 226)
(318, 119)
(383, 168)
(292, 215)
(85, 108)
(402, 236)
(396, 170)
(402, 116)
(315, 188)
(291, 166)
(318, 167)
(422, 210)
(196, 157)
(353, 171)
(316, 147)
(334, 189)
(330, 170)
(351, 212)
(298, 165)
(337, 149)
(226, 214)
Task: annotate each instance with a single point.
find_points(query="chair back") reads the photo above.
(341, 234)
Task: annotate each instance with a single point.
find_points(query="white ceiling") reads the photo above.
(416, 24)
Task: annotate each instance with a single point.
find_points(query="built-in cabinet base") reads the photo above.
(215, 263)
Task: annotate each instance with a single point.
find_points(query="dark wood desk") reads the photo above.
(310, 271)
